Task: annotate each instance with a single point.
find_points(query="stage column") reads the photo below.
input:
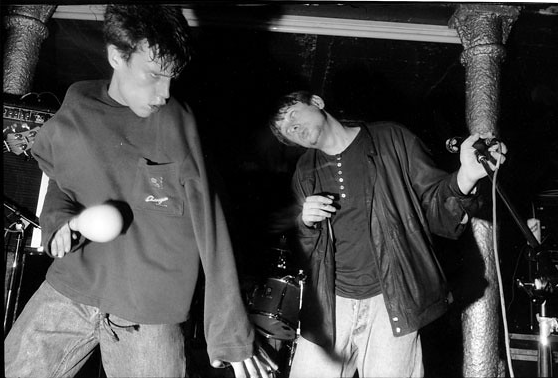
(26, 30)
(483, 30)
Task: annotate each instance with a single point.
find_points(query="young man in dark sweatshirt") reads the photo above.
(127, 141)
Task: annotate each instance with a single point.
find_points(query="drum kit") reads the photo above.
(274, 307)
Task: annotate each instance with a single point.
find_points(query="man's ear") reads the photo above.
(317, 101)
(114, 57)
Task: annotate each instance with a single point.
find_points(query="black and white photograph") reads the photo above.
(280, 189)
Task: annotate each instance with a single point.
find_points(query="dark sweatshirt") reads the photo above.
(95, 150)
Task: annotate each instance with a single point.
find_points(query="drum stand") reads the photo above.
(15, 275)
(301, 279)
(539, 292)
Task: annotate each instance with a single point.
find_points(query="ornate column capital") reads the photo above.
(26, 30)
(483, 30)
(483, 24)
(33, 17)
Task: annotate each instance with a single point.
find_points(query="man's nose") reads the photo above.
(163, 89)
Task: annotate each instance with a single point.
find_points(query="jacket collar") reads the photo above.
(364, 127)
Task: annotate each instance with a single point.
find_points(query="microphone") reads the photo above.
(98, 223)
(453, 145)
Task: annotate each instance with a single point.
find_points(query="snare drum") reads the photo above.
(275, 306)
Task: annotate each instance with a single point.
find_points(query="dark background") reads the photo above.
(237, 72)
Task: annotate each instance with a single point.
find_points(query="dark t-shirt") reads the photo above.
(345, 176)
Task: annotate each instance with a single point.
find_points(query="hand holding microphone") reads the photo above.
(98, 223)
(473, 150)
(482, 145)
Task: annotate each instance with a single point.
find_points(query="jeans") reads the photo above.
(54, 336)
(364, 342)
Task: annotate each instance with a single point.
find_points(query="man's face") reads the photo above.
(139, 83)
(303, 124)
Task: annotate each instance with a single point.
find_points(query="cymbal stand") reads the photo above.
(301, 279)
(16, 271)
(545, 280)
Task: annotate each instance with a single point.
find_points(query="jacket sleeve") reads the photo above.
(228, 332)
(306, 236)
(446, 208)
(318, 309)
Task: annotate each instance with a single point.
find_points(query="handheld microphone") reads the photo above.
(98, 223)
(453, 145)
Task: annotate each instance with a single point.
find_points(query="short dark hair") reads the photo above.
(163, 27)
(280, 109)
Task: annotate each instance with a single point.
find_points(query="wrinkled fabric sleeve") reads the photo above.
(58, 207)
(444, 205)
(228, 332)
(306, 235)
(318, 309)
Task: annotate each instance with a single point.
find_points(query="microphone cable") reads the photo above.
(497, 264)
(481, 146)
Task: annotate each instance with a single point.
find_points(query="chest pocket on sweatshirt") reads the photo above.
(157, 188)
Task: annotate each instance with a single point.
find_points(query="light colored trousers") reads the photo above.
(54, 336)
(364, 342)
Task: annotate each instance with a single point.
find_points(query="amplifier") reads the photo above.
(22, 176)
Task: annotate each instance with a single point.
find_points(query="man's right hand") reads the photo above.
(61, 242)
(316, 208)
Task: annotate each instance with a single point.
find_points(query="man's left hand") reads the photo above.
(471, 170)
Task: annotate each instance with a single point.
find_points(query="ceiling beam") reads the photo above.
(342, 27)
